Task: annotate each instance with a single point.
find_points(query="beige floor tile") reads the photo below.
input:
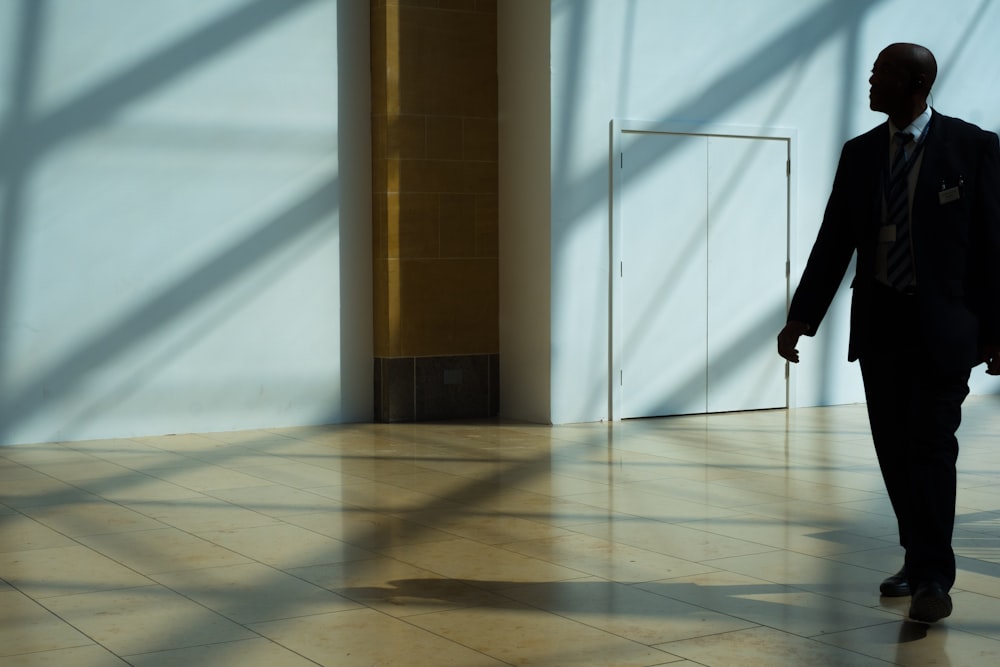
(803, 511)
(183, 442)
(445, 485)
(285, 546)
(235, 457)
(298, 475)
(20, 533)
(919, 645)
(383, 497)
(250, 437)
(46, 453)
(365, 637)
(984, 498)
(488, 527)
(276, 500)
(987, 522)
(765, 647)
(482, 467)
(206, 478)
(396, 588)
(626, 611)
(552, 484)
(80, 656)
(44, 573)
(244, 653)
(91, 468)
(608, 560)
(96, 517)
(817, 538)
(976, 613)
(885, 560)
(786, 608)
(977, 545)
(196, 515)
(162, 550)
(704, 492)
(530, 637)
(480, 564)
(672, 539)
(875, 505)
(368, 530)
(252, 593)
(136, 488)
(652, 506)
(820, 575)
(565, 511)
(302, 448)
(141, 620)
(367, 466)
(21, 494)
(11, 471)
(744, 538)
(141, 458)
(27, 627)
(606, 468)
(778, 483)
(973, 576)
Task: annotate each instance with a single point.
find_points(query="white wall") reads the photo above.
(802, 65)
(184, 198)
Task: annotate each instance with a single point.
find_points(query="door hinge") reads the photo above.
(621, 160)
(788, 167)
(788, 269)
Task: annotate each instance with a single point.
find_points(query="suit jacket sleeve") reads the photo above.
(987, 200)
(831, 253)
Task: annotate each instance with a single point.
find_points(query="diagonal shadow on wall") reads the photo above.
(791, 46)
(25, 141)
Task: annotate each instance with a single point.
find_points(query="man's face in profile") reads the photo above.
(888, 83)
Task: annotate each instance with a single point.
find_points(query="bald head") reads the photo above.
(916, 62)
(901, 80)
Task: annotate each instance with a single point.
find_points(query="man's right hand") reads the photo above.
(788, 338)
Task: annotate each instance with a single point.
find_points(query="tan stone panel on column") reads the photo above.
(448, 307)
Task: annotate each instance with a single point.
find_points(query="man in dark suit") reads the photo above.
(922, 212)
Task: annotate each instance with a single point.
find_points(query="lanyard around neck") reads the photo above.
(908, 161)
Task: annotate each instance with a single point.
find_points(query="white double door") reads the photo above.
(703, 238)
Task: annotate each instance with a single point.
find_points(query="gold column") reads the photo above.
(434, 187)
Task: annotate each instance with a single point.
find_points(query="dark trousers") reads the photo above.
(914, 410)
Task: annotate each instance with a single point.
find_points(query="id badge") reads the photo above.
(949, 195)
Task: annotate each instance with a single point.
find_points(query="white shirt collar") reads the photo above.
(916, 128)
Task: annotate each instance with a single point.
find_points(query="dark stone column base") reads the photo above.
(410, 389)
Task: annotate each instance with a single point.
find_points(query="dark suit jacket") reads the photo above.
(956, 243)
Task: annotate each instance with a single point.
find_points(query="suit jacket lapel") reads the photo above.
(924, 195)
(873, 172)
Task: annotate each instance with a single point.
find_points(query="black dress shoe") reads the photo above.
(896, 586)
(930, 603)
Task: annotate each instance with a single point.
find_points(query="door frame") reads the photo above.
(620, 127)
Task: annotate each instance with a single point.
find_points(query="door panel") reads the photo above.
(664, 276)
(747, 247)
(703, 223)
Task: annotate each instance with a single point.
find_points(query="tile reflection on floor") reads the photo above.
(735, 539)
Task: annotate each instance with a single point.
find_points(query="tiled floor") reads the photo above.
(738, 539)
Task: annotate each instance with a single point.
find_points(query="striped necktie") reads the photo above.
(899, 262)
